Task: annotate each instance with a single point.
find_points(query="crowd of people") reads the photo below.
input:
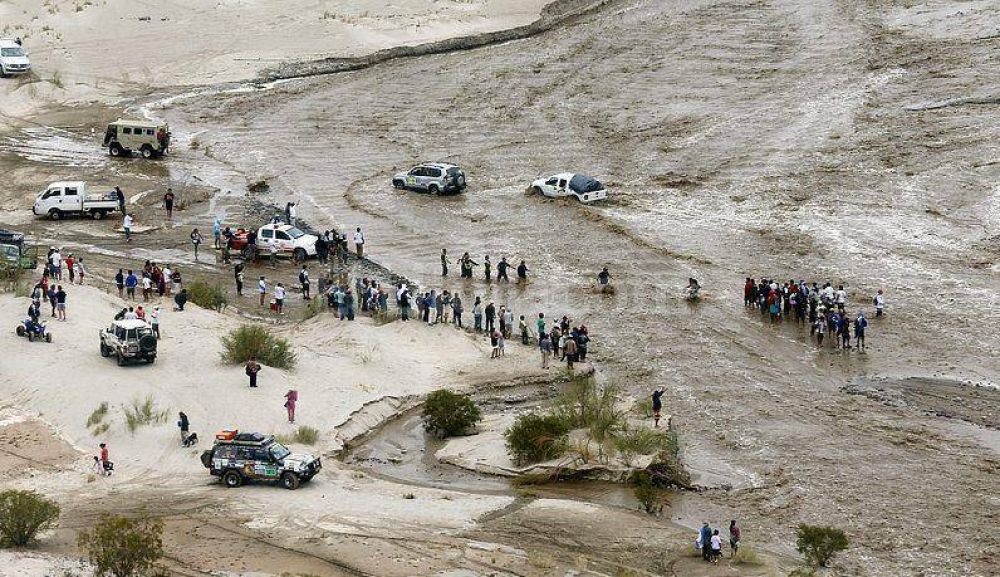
(709, 542)
(823, 308)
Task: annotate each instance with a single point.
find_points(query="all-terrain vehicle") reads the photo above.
(432, 177)
(241, 457)
(128, 339)
(151, 139)
(34, 330)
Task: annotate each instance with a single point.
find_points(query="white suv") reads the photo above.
(432, 177)
(13, 58)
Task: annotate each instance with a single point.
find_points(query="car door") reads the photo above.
(413, 179)
(71, 199)
(266, 240)
(433, 177)
(51, 198)
(283, 241)
(265, 465)
(550, 186)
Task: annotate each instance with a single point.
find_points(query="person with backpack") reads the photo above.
(251, 369)
(304, 281)
(879, 302)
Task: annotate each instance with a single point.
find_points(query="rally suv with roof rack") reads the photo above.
(432, 177)
(129, 339)
(241, 457)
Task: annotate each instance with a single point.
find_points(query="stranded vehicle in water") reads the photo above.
(151, 139)
(585, 188)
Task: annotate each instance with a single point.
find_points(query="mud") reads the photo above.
(847, 141)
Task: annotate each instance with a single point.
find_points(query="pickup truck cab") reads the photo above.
(13, 58)
(584, 188)
(61, 199)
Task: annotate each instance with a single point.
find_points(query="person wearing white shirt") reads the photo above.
(167, 275)
(127, 225)
(879, 302)
(841, 298)
(262, 289)
(359, 243)
(279, 297)
(147, 287)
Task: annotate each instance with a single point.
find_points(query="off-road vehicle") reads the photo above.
(432, 177)
(586, 189)
(241, 457)
(13, 58)
(129, 339)
(151, 139)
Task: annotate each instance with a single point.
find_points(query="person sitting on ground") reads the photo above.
(181, 299)
(692, 288)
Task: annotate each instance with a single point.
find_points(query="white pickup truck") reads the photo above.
(61, 199)
(584, 188)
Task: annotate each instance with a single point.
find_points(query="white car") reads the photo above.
(13, 58)
(584, 188)
(285, 240)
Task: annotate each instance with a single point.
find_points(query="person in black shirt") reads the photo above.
(657, 406)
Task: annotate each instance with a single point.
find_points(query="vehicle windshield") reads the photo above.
(9, 251)
(16, 51)
(279, 451)
(295, 233)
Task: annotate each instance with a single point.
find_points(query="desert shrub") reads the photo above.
(667, 468)
(819, 544)
(802, 572)
(23, 514)
(98, 415)
(384, 317)
(534, 437)
(303, 436)
(447, 414)
(122, 547)
(584, 405)
(315, 306)
(747, 556)
(648, 495)
(207, 295)
(143, 412)
(256, 341)
(638, 441)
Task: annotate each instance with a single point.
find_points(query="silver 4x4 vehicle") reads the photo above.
(241, 457)
(432, 177)
(127, 340)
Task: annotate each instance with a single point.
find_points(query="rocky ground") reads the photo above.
(848, 141)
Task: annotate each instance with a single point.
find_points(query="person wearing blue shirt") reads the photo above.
(130, 283)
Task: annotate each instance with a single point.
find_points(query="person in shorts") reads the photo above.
(657, 406)
(734, 538)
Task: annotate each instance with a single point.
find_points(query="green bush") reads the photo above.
(303, 436)
(667, 468)
(256, 341)
(533, 437)
(638, 441)
(206, 295)
(122, 547)
(819, 544)
(98, 415)
(140, 413)
(646, 492)
(315, 307)
(447, 414)
(22, 515)
(586, 406)
(747, 556)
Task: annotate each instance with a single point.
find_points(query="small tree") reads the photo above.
(533, 437)
(122, 547)
(207, 295)
(447, 414)
(256, 341)
(23, 514)
(646, 492)
(819, 544)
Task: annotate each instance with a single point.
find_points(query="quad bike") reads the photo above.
(33, 330)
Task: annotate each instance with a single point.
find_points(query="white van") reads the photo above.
(13, 58)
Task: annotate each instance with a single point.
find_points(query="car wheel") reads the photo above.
(300, 255)
(48, 337)
(55, 214)
(121, 359)
(147, 152)
(151, 360)
(19, 330)
(433, 189)
(397, 183)
(290, 481)
(31, 336)
(115, 149)
(232, 479)
(104, 351)
(537, 190)
(97, 214)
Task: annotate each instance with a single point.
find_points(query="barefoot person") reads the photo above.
(657, 406)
